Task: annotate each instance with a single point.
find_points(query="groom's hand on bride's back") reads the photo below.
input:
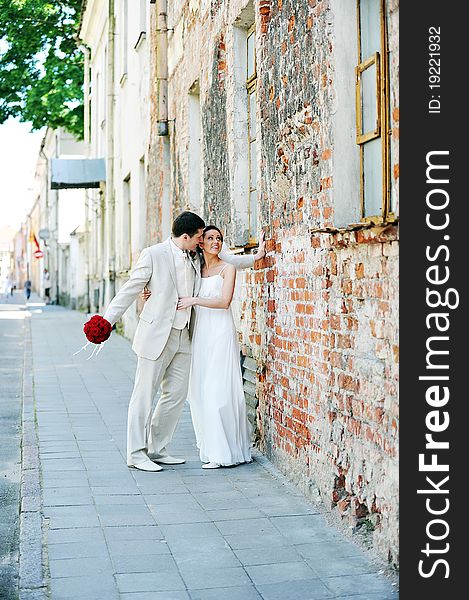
(145, 294)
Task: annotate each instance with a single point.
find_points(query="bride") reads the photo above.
(216, 395)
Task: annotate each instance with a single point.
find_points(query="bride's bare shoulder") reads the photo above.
(227, 268)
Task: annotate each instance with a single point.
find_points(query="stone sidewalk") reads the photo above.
(185, 533)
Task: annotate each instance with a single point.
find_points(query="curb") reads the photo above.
(32, 584)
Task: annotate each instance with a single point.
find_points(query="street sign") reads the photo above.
(39, 254)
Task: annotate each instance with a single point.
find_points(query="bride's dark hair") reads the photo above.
(209, 228)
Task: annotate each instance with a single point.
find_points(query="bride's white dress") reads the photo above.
(216, 395)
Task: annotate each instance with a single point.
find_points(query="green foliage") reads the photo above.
(41, 66)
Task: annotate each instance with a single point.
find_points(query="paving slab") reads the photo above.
(223, 557)
(304, 589)
(137, 547)
(200, 578)
(184, 533)
(280, 572)
(84, 586)
(357, 584)
(95, 548)
(268, 555)
(150, 582)
(245, 592)
(168, 595)
(93, 566)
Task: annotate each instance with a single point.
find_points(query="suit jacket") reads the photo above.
(155, 269)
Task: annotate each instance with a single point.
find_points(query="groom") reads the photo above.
(162, 338)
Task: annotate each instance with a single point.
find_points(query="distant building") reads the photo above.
(7, 266)
(55, 214)
(20, 256)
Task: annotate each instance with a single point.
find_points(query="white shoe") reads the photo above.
(146, 465)
(166, 459)
(211, 465)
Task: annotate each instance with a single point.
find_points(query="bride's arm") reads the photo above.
(223, 301)
(244, 261)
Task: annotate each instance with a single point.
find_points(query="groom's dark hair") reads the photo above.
(187, 222)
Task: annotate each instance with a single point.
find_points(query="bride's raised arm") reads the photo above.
(244, 261)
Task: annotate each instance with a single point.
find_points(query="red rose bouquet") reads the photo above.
(97, 329)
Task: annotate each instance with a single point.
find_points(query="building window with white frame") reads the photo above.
(140, 235)
(143, 16)
(124, 44)
(372, 111)
(142, 24)
(251, 87)
(126, 248)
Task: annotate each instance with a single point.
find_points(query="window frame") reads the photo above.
(382, 129)
(124, 36)
(126, 225)
(142, 25)
(363, 137)
(251, 89)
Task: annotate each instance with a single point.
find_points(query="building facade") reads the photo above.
(283, 116)
(117, 83)
(20, 255)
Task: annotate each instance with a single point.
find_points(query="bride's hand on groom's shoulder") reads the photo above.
(186, 302)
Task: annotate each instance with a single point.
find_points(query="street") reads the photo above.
(109, 532)
(12, 332)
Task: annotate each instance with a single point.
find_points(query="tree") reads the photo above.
(41, 65)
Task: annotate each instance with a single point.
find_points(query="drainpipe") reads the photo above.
(110, 192)
(48, 258)
(162, 68)
(86, 139)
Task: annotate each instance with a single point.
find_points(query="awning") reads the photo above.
(77, 173)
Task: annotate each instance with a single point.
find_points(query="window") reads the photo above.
(242, 125)
(126, 249)
(124, 40)
(96, 108)
(372, 111)
(142, 24)
(143, 16)
(142, 208)
(251, 86)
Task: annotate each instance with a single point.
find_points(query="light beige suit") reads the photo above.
(163, 351)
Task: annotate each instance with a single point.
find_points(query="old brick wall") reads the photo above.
(323, 315)
(324, 326)
(320, 315)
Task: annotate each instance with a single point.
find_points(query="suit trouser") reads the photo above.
(151, 433)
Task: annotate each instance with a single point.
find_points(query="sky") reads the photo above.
(19, 150)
